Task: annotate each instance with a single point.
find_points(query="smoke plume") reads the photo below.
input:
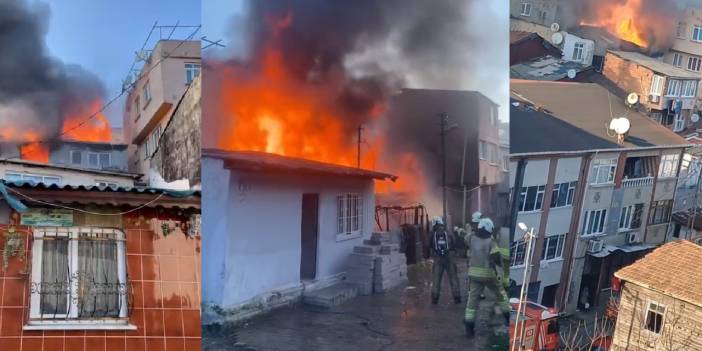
(36, 90)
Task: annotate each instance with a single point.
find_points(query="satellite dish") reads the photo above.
(555, 27)
(632, 99)
(620, 125)
(695, 118)
(572, 73)
(557, 38)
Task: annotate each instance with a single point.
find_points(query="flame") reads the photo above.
(621, 19)
(262, 107)
(77, 126)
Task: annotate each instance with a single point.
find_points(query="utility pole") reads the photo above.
(444, 123)
(360, 140)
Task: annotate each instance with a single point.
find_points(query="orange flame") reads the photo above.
(621, 19)
(76, 127)
(269, 110)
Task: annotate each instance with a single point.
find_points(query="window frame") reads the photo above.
(658, 307)
(673, 88)
(146, 93)
(609, 165)
(693, 64)
(689, 89)
(669, 166)
(569, 197)
(677, 59)
(588, 227)
(578, 51)
(192, 71)
(538, 198)
(79, 153)
(697, 33)
(23, 177)
(661, 212)
(515, 249)
(346, 227)
(72, 321)
(558, 253)
(681, 30)
(524, 7)
(656, 85)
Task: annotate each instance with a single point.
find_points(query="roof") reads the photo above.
(548, 117)
(672, 269)
(267, 162)
(608, 249)
(518, 36)
(545, 68)
(72, 168)
(655, 65)
(103, 195)
(119, 145)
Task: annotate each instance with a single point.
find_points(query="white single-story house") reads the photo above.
(277, 227)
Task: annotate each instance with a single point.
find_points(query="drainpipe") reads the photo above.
(517, 189)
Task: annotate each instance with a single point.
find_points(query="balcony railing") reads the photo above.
(637, 182)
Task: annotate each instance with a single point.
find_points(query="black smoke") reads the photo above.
(36, 90)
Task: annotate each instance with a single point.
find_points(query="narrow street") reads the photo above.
(403, 319)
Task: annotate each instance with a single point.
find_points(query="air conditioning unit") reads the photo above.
(654, 98)
(633, 238)
(594, 246)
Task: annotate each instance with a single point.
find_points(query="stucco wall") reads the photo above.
(253, 224)
(68, 177)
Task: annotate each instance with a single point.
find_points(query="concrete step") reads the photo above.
(331, 296)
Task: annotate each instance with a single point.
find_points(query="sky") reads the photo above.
(103, 35)
(488, 18)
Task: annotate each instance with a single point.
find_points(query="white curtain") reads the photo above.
(55, 274)
(99, 289)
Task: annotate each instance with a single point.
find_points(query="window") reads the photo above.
(98, 159)
(563, 194)
(517, 253)
(152, 141)
(104, 160)
(505, 162)
(630, 217)
(697, 33)
(603, 171)
(526, 9)
(679, 123)
(660, 212)
(594, 222)
(78, 279)
(146, 92)
(656, 85)
(693, 64)
(192, 70)
(483, 150)
(553, 247)
(681, 30)
(492, 153)
(36, 178)
(76, 158)
(654, 317)
(578, 51)
(531, 198)
(689, 88)
(102, 183)
(136, 106)
(673, 88)
(677, 59)
(669, 166)
(349, 214)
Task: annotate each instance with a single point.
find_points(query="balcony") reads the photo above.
(637, 182)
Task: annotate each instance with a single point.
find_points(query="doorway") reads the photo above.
(548, 298)
(309, 237)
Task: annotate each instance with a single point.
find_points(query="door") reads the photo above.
(310, 234)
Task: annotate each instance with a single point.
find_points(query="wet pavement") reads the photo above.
(401, 319)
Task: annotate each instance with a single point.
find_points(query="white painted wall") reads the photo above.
(68, 177)
(569, 48)
(253, 225)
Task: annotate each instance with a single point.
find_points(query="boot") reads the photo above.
(434, 300)
(470, 329)
(457, 300)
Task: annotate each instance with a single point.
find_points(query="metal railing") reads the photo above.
(637, 182)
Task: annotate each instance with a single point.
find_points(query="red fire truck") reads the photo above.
(538, 324)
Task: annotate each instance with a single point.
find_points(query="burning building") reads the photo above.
(42, 100)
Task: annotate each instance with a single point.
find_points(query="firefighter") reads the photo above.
(443, 251)
(485, 271)
(472, 228)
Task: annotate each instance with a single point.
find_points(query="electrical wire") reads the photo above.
(111, 101)
(81, 210)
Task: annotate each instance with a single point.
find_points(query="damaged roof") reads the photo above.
(545, 68)
(672, 269)
(257, 161)
(655, 65)
(564, 117)
(72, 168)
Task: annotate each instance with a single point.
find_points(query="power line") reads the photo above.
(111, 101)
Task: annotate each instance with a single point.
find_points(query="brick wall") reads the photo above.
(165, 304)
(178, 154)
(631, 77)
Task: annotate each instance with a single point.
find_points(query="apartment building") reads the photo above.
(686, 49)
(596, 202)
(167, 72)
(665, 92)
(543, 12)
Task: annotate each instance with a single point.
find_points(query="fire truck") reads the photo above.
(538, 324)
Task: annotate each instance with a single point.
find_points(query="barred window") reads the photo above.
(349, 214)
(79, 279)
